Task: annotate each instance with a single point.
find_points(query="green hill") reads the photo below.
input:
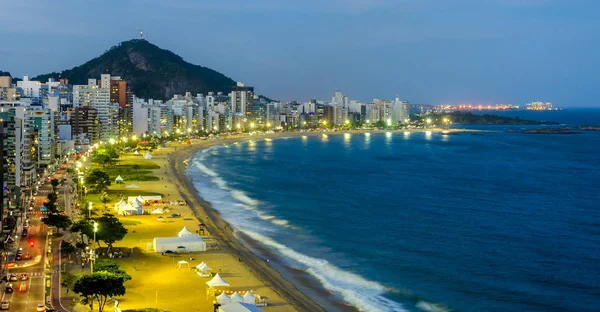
(150, 71)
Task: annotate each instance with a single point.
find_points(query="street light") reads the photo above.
(93, 249)
(428, 121)
(252, 125)
(90, 207)
(111, 141)
(268, 124)
(389, 122)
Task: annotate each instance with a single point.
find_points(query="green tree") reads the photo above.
(98, 179)
(51, 203)
(110, 230)
(54, 183)
(102, 159)
(67, 248)
(57, 220)
(99, 286)
(104, 199)
(111, 267)
(83, 227)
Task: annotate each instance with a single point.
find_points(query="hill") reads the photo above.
(150, 71)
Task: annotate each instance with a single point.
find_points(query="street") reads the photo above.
(27, 294)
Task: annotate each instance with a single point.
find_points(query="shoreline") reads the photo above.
(242, 246)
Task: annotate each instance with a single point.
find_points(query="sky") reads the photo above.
(424, 51)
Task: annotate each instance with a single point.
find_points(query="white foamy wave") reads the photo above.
(205, 169)
(242, 197)
(220, 182)
(432, 307)
(280, 222)
(351, 288)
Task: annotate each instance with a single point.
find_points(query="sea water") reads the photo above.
(422, 221)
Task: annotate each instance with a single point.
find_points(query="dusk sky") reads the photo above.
(426, 51)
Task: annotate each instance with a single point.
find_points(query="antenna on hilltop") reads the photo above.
(141, 32)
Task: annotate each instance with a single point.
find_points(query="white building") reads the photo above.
(99, 98)
(31, 88)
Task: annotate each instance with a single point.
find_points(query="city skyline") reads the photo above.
(428, 53)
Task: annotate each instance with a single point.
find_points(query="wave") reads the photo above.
(352, 288)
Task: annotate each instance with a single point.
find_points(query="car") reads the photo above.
(19, 257)
(5, 305)
(24, 233)
(24, 276)
(13, 277)
(22, 287)
(9, 288)
(41, 307)
(26, 256)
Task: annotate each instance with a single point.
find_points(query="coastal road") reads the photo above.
(28, 293)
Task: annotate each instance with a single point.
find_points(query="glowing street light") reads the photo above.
(178, 131)
(324, 122)
(252, 125)
(78, 164)
(111, 141)
(389, 122)
(238, 125)
(347, 121)
(90, 207)
(134, 137)
(268, 124)
(93, 254)
(428, 121)
(189, 130)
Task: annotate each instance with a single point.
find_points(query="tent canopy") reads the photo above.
(204, 267)
(119, 179)
(223, 298)
(238, 307)
(236, 297)
(217, 281)
(199, 266)
(185, 232)
(249, 298)
(148, 156)
(132, 186)
(182, 262)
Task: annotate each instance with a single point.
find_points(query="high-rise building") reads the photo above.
(5, 81)
(84, 124)
(99, 99)
(241, 98)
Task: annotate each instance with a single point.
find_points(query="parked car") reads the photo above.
(13, 278)
(9, 288)
(41, 307)
(5, 305)
(24, 276)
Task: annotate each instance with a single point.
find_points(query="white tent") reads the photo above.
(132, 186)
(136, 153)
(185, 238)
(148, 156)
(199, 266)
(181, 263)
(236, 297)
(157, 211)
(128, 209)
(249, 298)
(204, 267)
(223, 298)
(217, 281)
(120, 204)
(238, 307)
(119, 179)
(185, 232)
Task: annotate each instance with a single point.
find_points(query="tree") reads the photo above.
(99, 286)
(102, 159)
(54, 183)
(98, 179)
(57, 220)
(104, 199)
(51, 203)
(67, 248)
(110, 230)
(83, 227)
(111, 267)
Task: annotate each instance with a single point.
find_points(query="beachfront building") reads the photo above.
(99, 98)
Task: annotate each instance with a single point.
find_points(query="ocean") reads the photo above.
(422, 221)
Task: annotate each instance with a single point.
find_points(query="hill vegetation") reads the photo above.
(152, 72)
